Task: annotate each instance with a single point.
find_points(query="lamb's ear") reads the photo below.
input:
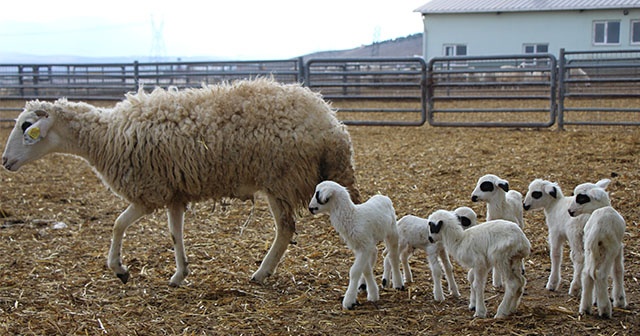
(39, 129)
(603, 183)
(322, 199)
(504, 185)
(435, 228)
(551, 190)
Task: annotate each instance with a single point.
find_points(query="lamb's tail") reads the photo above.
(337, 165)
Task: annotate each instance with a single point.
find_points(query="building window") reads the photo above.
(635, 32)
(455, 50)
(536, 48)
(606, 32)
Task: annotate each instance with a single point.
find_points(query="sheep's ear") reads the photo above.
(552, 191)
(435, 228)
(504, 185)
(603, 183)
(39, 129)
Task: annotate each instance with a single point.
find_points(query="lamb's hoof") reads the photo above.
(353, 306)
(400, 288)
(259, 279)
(124, 277)
(363, 288)
(384, 283)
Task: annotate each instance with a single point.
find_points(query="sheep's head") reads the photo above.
(540, 194)
(29, 138)
(466, 216)
(321, 200)
(438, 220)
(487, 187)
(588, 201)
(584, 187)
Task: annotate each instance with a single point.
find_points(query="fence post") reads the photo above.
(561, 89)
(136, 75)
(301, 71)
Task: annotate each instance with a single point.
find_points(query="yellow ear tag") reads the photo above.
(34, 133)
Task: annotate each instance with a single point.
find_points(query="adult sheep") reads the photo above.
(169, 147)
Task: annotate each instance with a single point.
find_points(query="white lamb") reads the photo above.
(414, 234)
(361, 226)
(603, 249)
(168, 148)
(548, 196)
(502, 203)
(499, 244)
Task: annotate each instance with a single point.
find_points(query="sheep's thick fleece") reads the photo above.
(231, 140)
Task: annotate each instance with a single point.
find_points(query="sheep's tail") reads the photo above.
(337, 165)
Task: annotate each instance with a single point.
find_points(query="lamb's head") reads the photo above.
(440, 219)
(541, 193)
(588, 201)
(466, 216)
(584, 187)
(30, 138)
(487, 187)
(322, 200)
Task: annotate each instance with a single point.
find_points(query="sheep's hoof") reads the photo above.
(384, 283)
(259, 279)
(124, 277)
(353, 305)
(400, 288)
(363, 288)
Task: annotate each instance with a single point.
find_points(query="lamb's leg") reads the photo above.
(448, 272)
(514, 288)
(364, 283)
(602, 290)
(586, 298)
(175, 213)
(436, 274)
(386, 269)
(392, 246)
(126, 218)
(555, 253)
(373, 294)
(577, 258)
(472, 292)
(479, 280)
(355, 273)
(497, 278)
(406, 269)
(619, 296)
(285, 228)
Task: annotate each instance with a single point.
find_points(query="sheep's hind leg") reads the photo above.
(285, 228)
(175, 213)
(126, 218)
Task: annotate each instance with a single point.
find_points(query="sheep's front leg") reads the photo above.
(175, 213)
(436, 274)
(285, 228)
(126, 218)
(555, 254)
(448, 272)
(355, 273)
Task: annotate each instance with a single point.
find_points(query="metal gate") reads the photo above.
(492, 91)
(375, 91)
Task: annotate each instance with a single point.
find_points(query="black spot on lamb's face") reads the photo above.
(25, 125)
(464, 221)
(536, 194)
(486, 186)
(582, 199)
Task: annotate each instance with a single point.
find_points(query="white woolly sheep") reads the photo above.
(502, 203)
(548, 196)
(413, 234)
(603, 250)
(168, 148)
(361, 226)
(499, 244)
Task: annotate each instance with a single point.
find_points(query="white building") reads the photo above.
(504, 27)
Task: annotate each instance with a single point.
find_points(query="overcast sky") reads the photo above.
(232, 29)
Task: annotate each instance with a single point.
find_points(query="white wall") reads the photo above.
(505, 33)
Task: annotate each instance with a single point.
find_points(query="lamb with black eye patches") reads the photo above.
(502, 203)
(546, 195)
(603, 250)
(497, 244)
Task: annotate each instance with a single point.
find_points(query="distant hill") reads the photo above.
(408, 46)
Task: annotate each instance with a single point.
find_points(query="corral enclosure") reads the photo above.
(55, 280)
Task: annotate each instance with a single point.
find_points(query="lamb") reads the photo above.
(498, 243)
(502, 203)
(603, 249)
(546, 195)
(414, 234)
(361, 227)
(169, 148)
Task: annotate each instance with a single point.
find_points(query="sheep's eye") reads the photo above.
(536, 194)
(486, 186)
(26, 125)
(582, 199)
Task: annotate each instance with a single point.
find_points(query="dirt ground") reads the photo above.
(54, 280)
